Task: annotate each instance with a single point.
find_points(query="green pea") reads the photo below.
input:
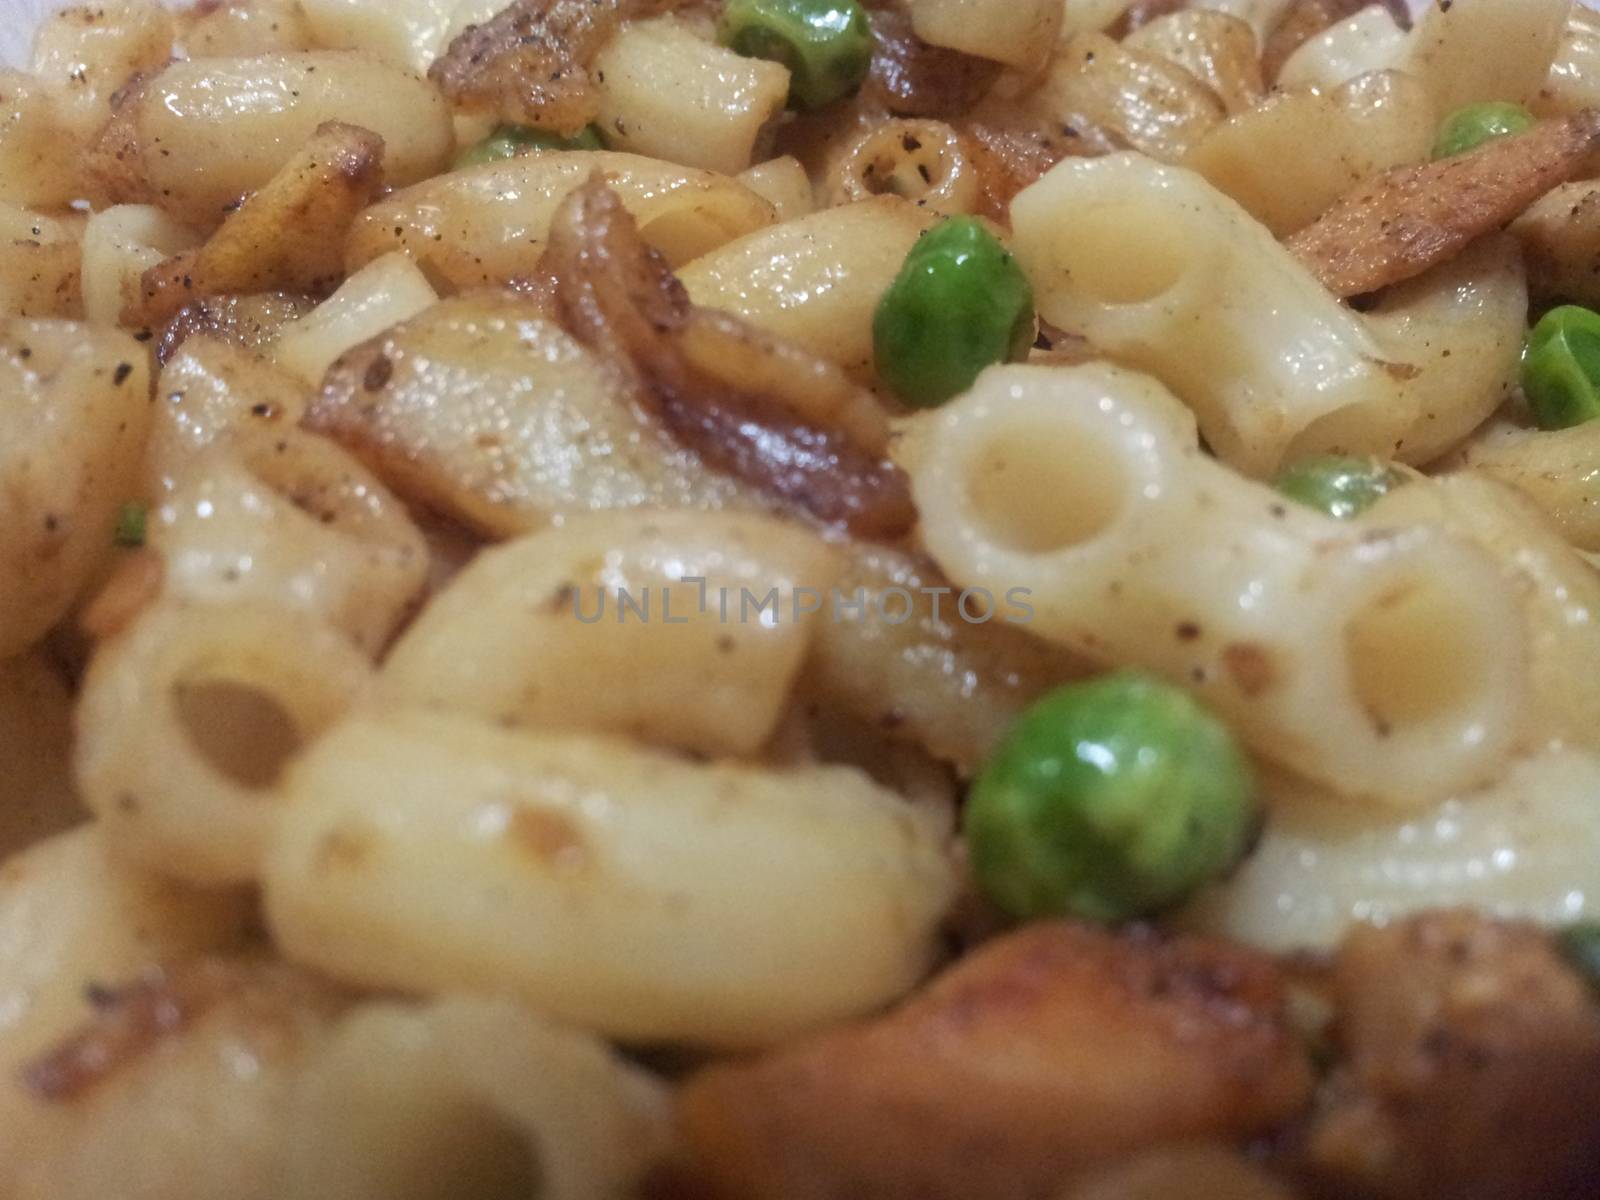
(1561, 367)
(131, 520)
(1337, 485)
(1470, 127)
(508, 141)
(1109, 800)
(826, 44)
(959, 304)
(1580, 946)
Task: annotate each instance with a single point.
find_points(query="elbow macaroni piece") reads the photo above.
(539, 632)
(1158, 269)
(209, 390)
(245, 27)
(39, 152)
(287, 517)
(488, 224)
(469, 1097)
(925, 162)
(383, 293)
(208, 130)
(41, 259)
(1574, 82)
(1560, 594)
(1486, 50)
(1219, 50)
(73, 912)
(782, 183)
(1019, 33)
(74, 412)
(1527, 848)
(187, 718)
(1337, 139)
(816, 281)
(120, 244)
(1386, 663)
(85, 52)
(665, 93)
(1371, 40)
(408, 33)
(628, 892)
(1559, 470)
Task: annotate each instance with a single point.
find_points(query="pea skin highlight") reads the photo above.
(1109, 800)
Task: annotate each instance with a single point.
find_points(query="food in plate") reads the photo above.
(798, 599)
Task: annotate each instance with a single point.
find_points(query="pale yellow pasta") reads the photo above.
(1148, 102)
(905, 651)
(1560, 595)
(1559, 470)
(74, 411)
(469, 1097)
(488, 224)
(409, 33)
(1163, 272)
(208, 389)
(470, 12)
(1560, 236)
(241, 27)
(459, 423)
(1371, 40)
(665, 93)
(1574, 82)
(39, 152)
(1383, 663)
(816, 281)
(653, 898)
(1527, 847)
(186, 720)
(41, 258)
(1485, 50)
(1458, 329)
(211, 129)
(72, 913)
(1019, 33)
(36, 794)
(1337, 139)
(1219, 50)
(199, 1109)
(87, 51)
(282, 516)
(383, 293)
(120, 244)
(924, 162)
(656, 616)
(782, 183)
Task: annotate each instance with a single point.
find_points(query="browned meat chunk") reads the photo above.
(1044, 1052)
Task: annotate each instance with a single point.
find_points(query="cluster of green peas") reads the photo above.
(1117, 798)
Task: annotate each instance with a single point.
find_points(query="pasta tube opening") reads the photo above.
(242, 731)
(1144, 268)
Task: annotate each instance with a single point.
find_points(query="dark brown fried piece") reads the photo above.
(1305, 19)
(528, 63)
(1049, 1050)
(248, 322)
(911, 78)
(1009, 158)
(287, 237)
(113, 164)
(1409, 219)
(758, 408)
(1471, 1066)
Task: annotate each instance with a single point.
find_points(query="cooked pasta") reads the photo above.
(798, 599)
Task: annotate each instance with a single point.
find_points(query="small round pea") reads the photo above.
(1561, 367)
(826, 44)
(1109, 800)
(1580, 945)
(1338, 485)
(959, 304)
(508, 141)
(1470, 127)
